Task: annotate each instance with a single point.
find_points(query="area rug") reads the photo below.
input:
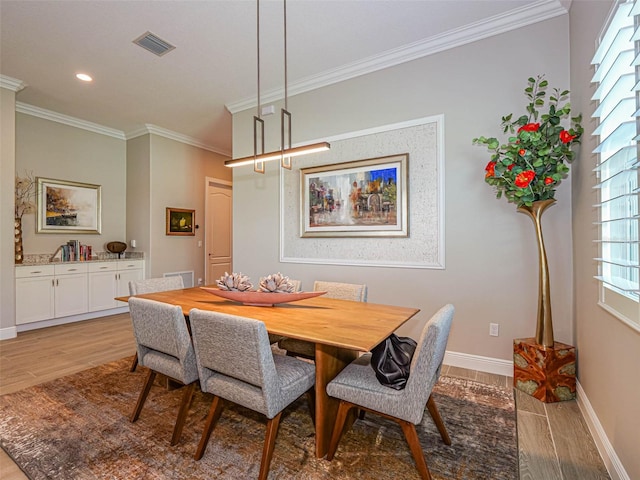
(77, 427)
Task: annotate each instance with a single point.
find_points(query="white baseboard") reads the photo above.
(609, 457)
(477, 362)
(7, 333)
(73, 318)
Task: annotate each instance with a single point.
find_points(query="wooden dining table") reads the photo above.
(339, 328)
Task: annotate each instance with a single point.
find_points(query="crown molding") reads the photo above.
(112, 132)
(12, 84)
(68, 120)
(178, 137)
(498, 24)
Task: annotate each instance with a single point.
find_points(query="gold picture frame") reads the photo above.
(181, 221)
(67, 207)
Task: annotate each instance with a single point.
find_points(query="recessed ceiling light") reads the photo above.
(84, 77)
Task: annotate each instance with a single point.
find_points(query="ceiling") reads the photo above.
(192, 89)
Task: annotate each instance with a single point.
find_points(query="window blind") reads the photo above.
(617, 64)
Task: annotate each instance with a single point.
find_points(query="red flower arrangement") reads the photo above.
(530, 165)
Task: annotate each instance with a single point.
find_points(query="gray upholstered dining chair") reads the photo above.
(153, 285)
(164, 346)
(341, 291)
(357, 387)
(235, 363)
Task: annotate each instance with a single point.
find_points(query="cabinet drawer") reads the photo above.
(34, 271)
(71, 268)
(130, 265)
(102, 267)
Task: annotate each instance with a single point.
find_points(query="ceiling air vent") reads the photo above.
(153, 43)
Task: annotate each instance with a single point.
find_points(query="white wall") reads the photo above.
(139, 179)
(608, 350)
(491, 254)
(139, 197)
(7, 213)
(54, 150)
(177, 180)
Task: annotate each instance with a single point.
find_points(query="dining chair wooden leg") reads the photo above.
(214, 414)
(182, 412)
(134, 363)
(148, 382)
(311, 400)
(435, 414)
(411, 435)
(338, 427)
(269, 444)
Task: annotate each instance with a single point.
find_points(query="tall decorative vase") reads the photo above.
(544, 326)
(543, 368)
(19, 256)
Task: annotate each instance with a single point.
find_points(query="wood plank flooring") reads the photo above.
(553, 440)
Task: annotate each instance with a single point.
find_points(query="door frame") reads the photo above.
(207, 227)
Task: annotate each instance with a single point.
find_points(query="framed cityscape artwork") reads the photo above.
(362, 198)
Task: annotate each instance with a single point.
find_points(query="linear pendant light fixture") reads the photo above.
(286, 151)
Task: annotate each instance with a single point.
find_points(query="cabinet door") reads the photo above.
(34, 299)
(102, 290)
(71, 296)
(124, 277)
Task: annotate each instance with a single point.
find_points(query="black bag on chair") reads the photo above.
(391, 360)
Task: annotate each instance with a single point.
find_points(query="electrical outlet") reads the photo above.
(494, 329)
(199, 281)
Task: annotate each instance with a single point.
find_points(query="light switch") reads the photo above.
(199, 243)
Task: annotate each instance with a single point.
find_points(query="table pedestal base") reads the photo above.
(546, 373)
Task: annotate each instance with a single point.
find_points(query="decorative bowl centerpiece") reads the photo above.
(274, 289)
(117, 247)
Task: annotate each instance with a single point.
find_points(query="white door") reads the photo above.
(218, 229)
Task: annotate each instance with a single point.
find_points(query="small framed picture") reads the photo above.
(181, 221)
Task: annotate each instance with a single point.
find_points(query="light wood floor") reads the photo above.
(553, 440)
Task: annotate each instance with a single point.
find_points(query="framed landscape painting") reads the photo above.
(181, 221)
(363, 198)
(64, 206)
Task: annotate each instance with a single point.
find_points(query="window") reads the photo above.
(617, 62)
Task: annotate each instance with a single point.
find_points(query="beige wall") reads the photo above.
(139, 179)
(139, 196)
(608, 350)
(491, 254)
(7, 213)
(54, 150)
(178, 174)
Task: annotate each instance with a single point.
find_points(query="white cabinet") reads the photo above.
(102, 286)
(70, 292)
(44, 292)
(34, 293)
(128, 271)
(108, 280)
(48, 291)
